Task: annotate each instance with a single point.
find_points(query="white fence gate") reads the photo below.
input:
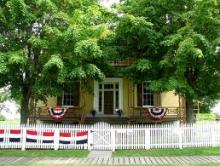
(103, 136)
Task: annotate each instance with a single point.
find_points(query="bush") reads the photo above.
(2, 118)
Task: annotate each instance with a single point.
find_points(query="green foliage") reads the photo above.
(205, 116)
(136, 37)
(2, 118)
(175, 44)
(4, 94)
(88, 49)
(46, 43)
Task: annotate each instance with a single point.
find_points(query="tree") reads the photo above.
(45, 43)
(192, 56)
(175, 43)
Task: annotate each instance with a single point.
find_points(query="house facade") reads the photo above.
(115, 100)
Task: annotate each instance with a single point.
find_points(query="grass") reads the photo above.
(8, 122)
(210, 164)
(168, 152)
(43, 153)
(205, 117)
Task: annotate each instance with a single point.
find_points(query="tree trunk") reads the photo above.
(25, 105)
(190, 116)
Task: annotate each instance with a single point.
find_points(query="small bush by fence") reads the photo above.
(103, 136)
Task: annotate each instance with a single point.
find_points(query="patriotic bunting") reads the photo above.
(57, 113)
(65, 138)
(157, 113)
(15, 135)
(31, 136)
(2, 135)
(48, 137)
(82, 137)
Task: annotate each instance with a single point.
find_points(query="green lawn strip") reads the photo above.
(205, 117)
(210, 164)
(168, 152)
(43, 153)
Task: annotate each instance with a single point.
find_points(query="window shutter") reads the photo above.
(76, 94)
(157, 99)
(59, 100)
(139, 95)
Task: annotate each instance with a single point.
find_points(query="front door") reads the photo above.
(108, 102)
(108, 96)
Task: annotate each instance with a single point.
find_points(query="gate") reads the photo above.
(103, 136)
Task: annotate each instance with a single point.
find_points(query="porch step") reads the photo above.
(110, 120)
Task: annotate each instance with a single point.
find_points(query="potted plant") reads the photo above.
(93, 112)
(119, 111)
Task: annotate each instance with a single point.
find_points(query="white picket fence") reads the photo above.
(103, 136)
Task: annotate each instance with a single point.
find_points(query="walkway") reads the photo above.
(113, 160)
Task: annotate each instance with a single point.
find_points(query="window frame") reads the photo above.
(71, 91)
(147, 93)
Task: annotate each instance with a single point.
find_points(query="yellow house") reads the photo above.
(116, 100)
(109, 96)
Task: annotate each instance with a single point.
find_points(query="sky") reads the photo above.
(108, 3)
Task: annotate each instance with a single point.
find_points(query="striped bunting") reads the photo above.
(57, 113)
(15, 135)
(65, 138)
(1, 135)
(157, 113)
(48, 137)
(82, 137)
(31, 136)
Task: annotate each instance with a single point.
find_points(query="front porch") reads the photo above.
(139, 115)
(116, 101)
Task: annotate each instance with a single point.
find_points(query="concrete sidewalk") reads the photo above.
(112, 160)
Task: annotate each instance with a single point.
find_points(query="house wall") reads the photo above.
(169, 99)
(51, 102)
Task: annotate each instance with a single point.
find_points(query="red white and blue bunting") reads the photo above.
(57, 113)
(2, 135)
(45, 137)
(157, 113)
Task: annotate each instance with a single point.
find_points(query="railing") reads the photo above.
(124, 63)
(73, 113)
(173, 114)
(104, 136)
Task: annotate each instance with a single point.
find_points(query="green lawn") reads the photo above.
(205, 117)
(168, 152)
(8, 122)
(44, 153)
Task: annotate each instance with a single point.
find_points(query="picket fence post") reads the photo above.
(24, 134)
(56, 138)
(113, 139)
(180, 138)
(147, 138)
(90, 133)
(213, 135)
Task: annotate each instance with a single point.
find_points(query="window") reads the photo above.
(145, 97)
(70, 97)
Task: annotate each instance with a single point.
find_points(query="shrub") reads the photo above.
(2, 118)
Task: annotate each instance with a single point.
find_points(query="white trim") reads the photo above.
(96, 94)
